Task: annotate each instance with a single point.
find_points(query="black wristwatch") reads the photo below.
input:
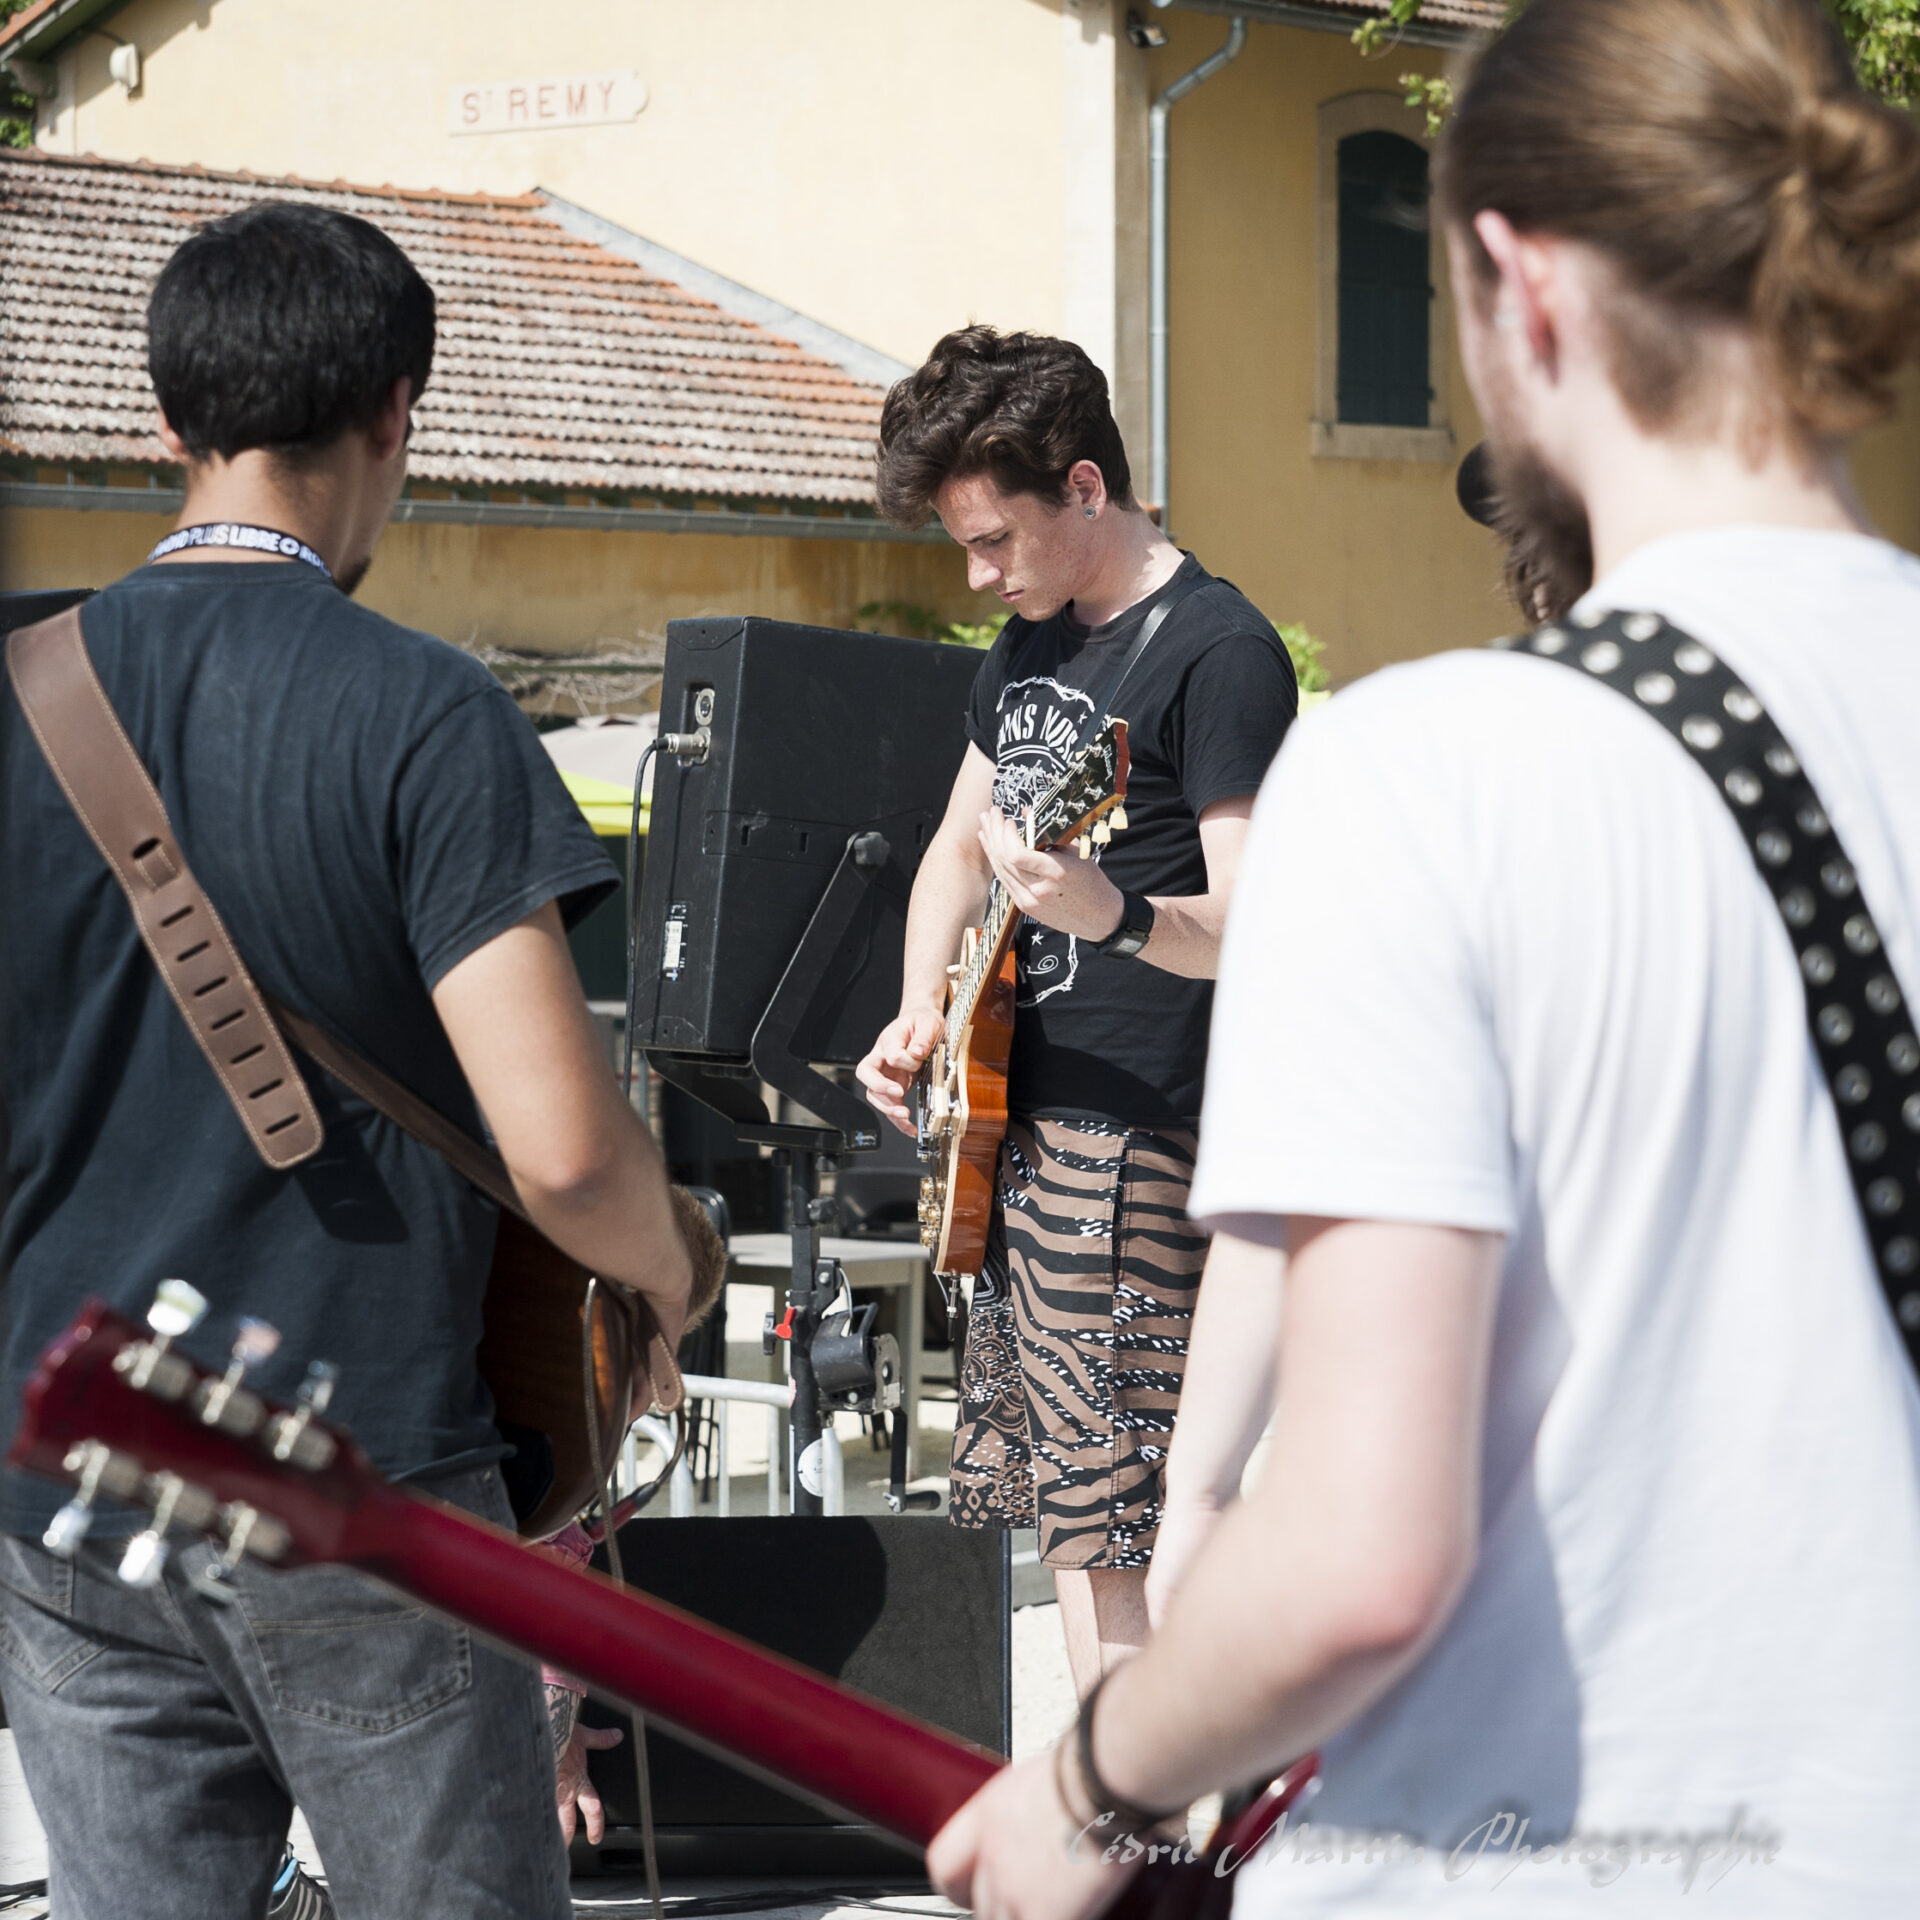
(1134, 930)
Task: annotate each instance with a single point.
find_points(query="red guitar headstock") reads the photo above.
(115, 1412)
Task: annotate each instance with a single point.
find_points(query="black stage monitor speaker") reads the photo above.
(908, 1610)
(816, 736)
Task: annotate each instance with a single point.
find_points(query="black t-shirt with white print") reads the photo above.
(1206, 706)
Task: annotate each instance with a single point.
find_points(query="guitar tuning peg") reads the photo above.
(1082, 848)
(294, 1437)
(177, 1309)
(1102, 831)
(145, 1560)
(248, 1531)
(68, 1529)
(144, 1563)
(316, 1390)
(255, 1342)
(222, 1403)
(70, 1526)
(1117, 820)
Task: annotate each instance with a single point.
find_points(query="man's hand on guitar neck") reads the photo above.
(900, 1052)
(1060, 890)
(949, 895)
(1073, 896)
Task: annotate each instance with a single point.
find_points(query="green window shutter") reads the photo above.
(1385, 293)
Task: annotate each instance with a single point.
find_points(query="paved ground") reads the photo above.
(1042, 1705)
(767, 1899)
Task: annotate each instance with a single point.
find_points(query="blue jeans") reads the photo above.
(166, 1740)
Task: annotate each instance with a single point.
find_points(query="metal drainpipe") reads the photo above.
(1157, 253)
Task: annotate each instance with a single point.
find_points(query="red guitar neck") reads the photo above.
(100, 1410)
(707, 1686)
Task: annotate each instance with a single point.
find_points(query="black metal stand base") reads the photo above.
(731, 1088)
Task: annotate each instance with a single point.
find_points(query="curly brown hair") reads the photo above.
(1022, 408)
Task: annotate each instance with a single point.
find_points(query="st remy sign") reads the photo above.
(559, 100)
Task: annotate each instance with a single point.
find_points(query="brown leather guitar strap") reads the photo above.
(240, 1030)
(104, 781)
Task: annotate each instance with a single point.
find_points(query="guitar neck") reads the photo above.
(709, 1687)
(118, 1413)
(997, 926)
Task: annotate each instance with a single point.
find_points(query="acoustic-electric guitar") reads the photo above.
(959, 1096)
(115, 1409)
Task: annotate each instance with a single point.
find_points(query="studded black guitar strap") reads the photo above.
(1861, 1027)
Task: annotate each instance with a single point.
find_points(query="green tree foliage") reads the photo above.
(922, 623)
(16, 107)
(1305, 651)
(1884, 36)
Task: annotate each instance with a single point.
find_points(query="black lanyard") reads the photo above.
(232, 533)
(1108, 690)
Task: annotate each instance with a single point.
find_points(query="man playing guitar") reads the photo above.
(395, 858)
(1077, 1334)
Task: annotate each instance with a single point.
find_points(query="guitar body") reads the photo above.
(530, 1357)
(960, 1095)
(956, 1200)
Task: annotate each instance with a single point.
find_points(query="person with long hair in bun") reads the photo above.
(1580, 1241)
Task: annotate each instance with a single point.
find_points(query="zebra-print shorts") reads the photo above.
(1077, 1339)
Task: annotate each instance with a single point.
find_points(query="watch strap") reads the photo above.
(1135, 928)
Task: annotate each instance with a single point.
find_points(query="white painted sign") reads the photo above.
(562, 100)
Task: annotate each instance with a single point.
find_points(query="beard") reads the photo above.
(1540, 519)
(1543, 523)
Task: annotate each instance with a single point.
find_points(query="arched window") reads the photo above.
(1383, 332)
(1386, 289)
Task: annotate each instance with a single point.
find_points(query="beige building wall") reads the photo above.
(890, 169)
(544, 590)
(1886, 468)
(1374, 556)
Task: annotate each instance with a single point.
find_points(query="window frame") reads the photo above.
(1330, 436)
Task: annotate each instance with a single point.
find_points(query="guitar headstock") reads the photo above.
(1086, 799)
(113, 1410)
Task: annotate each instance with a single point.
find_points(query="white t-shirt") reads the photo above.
(1500, 959)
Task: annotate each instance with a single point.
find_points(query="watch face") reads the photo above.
(1134, 930)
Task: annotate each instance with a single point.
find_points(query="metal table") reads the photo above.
(872, 1265)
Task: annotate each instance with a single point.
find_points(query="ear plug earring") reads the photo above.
(1093, 513)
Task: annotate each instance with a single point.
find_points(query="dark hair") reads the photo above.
(1726, 159)
(1022, 408)
(284, 326)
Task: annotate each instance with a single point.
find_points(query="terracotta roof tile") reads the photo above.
(559, 363)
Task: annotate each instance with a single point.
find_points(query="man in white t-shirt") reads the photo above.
(1588, 1549)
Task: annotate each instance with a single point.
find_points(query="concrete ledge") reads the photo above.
(501, 513)
(1339, 440)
